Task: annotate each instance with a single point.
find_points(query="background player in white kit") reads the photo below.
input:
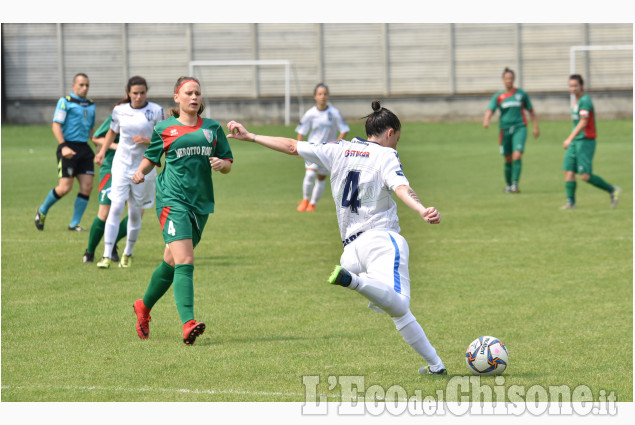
(364, 173)
(133, 118)
(323, 121)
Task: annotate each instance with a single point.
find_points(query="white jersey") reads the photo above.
(322, 125)
(363, 177)
(130, 122)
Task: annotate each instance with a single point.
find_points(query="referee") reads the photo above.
(73, 125)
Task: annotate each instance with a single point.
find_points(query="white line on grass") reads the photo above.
(175, 390)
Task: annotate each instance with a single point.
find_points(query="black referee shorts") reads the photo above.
(80, 163)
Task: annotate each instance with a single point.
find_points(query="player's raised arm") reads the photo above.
(410, 198)
(280, 144)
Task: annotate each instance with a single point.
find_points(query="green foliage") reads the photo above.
(555, 286)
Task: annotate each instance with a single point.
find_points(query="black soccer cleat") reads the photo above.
(89, 257)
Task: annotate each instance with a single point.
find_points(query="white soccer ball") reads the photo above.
(487, 355)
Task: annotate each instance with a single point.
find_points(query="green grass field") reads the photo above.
(555, 286)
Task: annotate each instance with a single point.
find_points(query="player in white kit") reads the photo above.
(133, 118)
(364, 173)
(322, 123)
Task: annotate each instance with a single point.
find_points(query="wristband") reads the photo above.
(63, 145)
(253, 139)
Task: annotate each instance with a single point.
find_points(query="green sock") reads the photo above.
(508, 173)
(599, 182)
(184, 291)
(517, 165)
(95, 235)
(123, 230)
(569, 188)
(159, 284)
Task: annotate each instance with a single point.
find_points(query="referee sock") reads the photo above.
(517, 165)
(96, 233)
(569, 188)
(508, 173)
(600, 183)
(51, 198)
(80, 206)
(184, 291)
(159, 284)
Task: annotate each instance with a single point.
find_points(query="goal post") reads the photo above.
(588, 48)
(287, 76)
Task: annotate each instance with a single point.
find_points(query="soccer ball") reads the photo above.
(487, 355)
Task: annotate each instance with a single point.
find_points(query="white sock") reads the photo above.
(134, 228)
(414, 335)
(317, 190)
(307, 184)
(111, 230)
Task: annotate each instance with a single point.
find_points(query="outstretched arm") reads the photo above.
(280, 144)
(410, 198)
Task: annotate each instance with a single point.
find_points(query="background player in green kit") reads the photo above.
(105, 180)
(580, 147)
(193, 147)
(512, 103)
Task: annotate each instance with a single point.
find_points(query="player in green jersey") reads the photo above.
(580, 147)
(105, 180)
(193, 147)
(512, 103)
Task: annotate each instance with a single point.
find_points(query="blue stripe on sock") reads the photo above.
(396, 266)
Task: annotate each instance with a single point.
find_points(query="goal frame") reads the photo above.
(258, 62)
(588, 48)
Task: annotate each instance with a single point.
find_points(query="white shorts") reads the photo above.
(140, 195)
(380, 255)
(318, 168)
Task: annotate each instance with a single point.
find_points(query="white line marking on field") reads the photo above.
(161, 390)
(178, 390)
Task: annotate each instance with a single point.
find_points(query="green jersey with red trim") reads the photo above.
(512, 106)
(583, 108)
(110, 153)
(186, 180)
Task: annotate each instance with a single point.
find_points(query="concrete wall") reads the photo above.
(424, 71)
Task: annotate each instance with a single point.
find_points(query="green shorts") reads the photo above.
(105, 180)
(512, 139)
(579, 156)
(178, 224)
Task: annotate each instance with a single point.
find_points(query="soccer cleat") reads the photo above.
(39, 219)
(514, 189)
(615, 196)
(143, 318)
(303, 205)
(568, 206)
(425, 370)
(126, 261)
(310, 208)
(104, 263)
(115, 255)
(77, 228)
(340, 276)
(89, 257)
(191, 330)
(508, 189)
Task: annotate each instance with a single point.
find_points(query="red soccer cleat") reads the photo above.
(191, 330)
(143, 319)
(303, 205)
